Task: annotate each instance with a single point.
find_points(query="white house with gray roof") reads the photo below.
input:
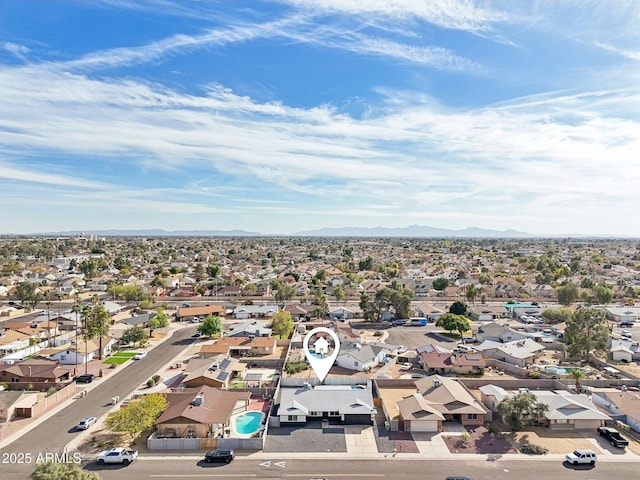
(351, 404)
(625, 350)
(519, 352)
(362, 357)
(566, 410)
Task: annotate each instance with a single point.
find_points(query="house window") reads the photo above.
(562, 420)
(315, 414)
(472, 416)
(356, 363)
(63, 357)
(334, 414)
(292, 418)
(14, 379)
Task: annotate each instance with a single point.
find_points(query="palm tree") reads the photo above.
(76, 309)
(85, 313)
(577, 374)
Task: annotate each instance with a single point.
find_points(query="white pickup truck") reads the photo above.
(117, 455)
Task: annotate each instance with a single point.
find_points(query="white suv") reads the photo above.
(581, 456)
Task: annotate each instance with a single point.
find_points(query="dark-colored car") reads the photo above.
(219, 455)
(626, 323)
(85, 378)
(613, 436)
(459, 478)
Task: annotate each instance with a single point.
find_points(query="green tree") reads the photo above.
(213, 271)
(567, 293)
(366, 305)
(282, 324)
(28, 294)
(198, 272)
(98, 324)
(459, 308)
(453, 322)
(284, 292)
(587, 332)
(61, 471)
(137, 416)
(211, 325)
(401, 302)
(577, 375)
(440, 283)
(134, 335)
(603, 294)
(553, 316)
(471, 292)
(521, 409)
(339, 294)
(161, 320)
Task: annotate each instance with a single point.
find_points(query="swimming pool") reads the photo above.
(248, 423)
(553, 370)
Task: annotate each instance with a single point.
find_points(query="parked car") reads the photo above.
(399, 323)
(613, 436)
(86, 422)
(85, 378)
(117, 455)
(626, 333)
(406, 366)
(581, 457)
(402, 349)
(459, 477)
(140, 355)
(196, 335)
(219, 455)
(626, 323)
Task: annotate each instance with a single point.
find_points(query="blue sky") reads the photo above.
(292, 115)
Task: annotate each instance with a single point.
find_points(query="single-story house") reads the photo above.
(248, 329)
(334, 402)
(38, 372)
(362, 357)
(200, 412)
(625, 350)
(498, 333)
(442, 361)
(85, 351)
(255, 311)
(187, 313)
(487, 313)
(214, 372)
(429, 311)
(240, 346)
(436, 400)
(566, 410)
(520, 352)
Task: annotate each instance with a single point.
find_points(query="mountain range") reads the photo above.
(412, 231)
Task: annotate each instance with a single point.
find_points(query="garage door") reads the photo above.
(364, 419)
(426, 426)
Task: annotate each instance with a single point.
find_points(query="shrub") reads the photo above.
(156, 378)
(533, 374)
(531, 449)
(51, 391)
(377, 333)
(295, 366)
(151, 382)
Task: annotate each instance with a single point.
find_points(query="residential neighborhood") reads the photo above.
(446, 361)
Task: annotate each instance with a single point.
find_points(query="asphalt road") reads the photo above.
(387, 469)
(53, 434)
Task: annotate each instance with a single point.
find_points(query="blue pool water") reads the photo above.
(519, 305)
(248, 423)
(558, 370)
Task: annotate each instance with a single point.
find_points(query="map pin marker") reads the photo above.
(320, 359)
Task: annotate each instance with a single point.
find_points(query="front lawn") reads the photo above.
(124, 354)
(116, 360)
